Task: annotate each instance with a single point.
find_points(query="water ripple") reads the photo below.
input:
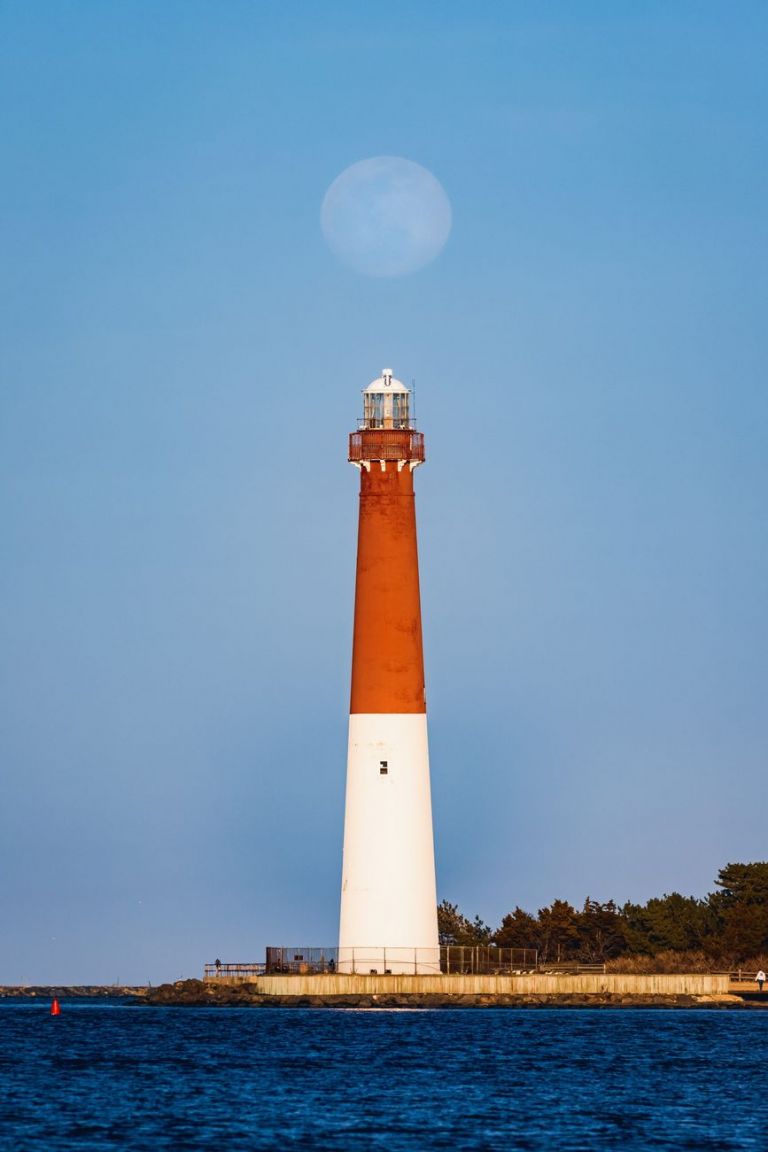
(108, 1076)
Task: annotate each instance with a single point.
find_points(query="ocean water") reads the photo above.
(105, 1076)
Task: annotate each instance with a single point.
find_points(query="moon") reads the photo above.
(386, 216)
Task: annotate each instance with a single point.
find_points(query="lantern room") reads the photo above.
(386, 403)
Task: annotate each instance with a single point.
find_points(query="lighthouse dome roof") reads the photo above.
(386, 383)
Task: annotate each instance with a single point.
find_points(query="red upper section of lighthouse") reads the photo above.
(387, 657)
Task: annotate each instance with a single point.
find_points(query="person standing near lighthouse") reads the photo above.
(388, 898)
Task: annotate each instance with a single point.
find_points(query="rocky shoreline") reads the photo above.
(70, 991)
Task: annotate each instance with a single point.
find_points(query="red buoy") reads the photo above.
(55, 1008)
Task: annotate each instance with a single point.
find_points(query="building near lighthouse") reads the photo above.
(388, 917)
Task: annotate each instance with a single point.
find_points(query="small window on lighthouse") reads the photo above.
(383, 767)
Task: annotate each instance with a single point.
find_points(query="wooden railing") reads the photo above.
(570, 968)
(234, 971)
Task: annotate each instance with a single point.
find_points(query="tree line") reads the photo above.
(728, 928)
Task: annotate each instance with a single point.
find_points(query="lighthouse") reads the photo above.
(388, 897)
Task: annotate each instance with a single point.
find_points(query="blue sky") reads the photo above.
(180, 363)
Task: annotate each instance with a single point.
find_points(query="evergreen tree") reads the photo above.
(744, 883)
(601, 932)
(558, 932)
(518, 930)
(453, 927)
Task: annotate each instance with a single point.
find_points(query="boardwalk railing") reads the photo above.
(487, 960)
(234, 971)
(302, 961)
(481, 960)
(571, 968)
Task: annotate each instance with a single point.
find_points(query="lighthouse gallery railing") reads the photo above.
(386, 444)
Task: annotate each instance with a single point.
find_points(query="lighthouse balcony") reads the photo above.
(386, 444)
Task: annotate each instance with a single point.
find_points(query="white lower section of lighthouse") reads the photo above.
(388, 895)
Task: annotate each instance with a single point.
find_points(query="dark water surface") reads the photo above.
(112, 1076)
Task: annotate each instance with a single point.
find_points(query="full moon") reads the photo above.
(386, 216)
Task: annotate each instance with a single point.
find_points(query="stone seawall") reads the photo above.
(539, 984)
